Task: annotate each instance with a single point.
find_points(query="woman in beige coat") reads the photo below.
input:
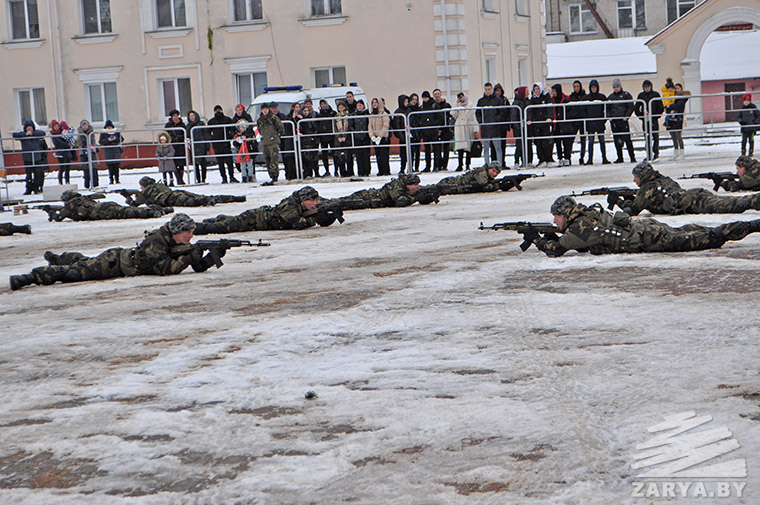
(379, 133)
(465, 129)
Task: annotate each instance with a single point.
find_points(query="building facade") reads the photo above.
(133, 61)
(574, 20)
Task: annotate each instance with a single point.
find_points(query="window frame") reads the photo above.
(331, 69)
(174, 25)
(489, 65)
(27, 25)
(522, 7)
(19, 113)
(248, 12)
(631, 7)
(683, 2)
(580, 6)
(326, 5)
(100, 20)
(163, 111)
(252, 75)
(104, 102)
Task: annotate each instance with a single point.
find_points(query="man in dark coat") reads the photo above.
(563, 138)
(490, 123)
(619, 110)
(220, 141)
(176, 128)
(430, 121)
(576, 113)
(446, 132)
(326, 138)
(398, 125)
(112, 139)
(651, 123)
(596, 121)
(31, 143)
(538, 119)
(523, 150)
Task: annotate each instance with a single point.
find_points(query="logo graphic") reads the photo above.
(678, 454)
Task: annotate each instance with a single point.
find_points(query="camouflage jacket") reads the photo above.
(396, 192)
(156, 193)
(79, 208)
(749, 181)
(595, 230)
(658, 194)
(292, 214)
(270, 129)
(154, 257)
(473, 181)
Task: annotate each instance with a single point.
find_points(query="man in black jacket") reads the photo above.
(576, 114)
(220, 138)
(490, 122)
(176, 128)
(651, 128)
(326, 137)
(595, 121)
(445, 134)
(398, 127)
(429, 123)
(619, 111)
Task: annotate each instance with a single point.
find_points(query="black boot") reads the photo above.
(19, 281)
(238, 199)
(51, 257)
(25, 228)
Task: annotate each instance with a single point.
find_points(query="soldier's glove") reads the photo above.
(326, 218)
(506, 185)
(196, 256)
(530, 235)
(613, 199)
(551, 236)
(426, 197)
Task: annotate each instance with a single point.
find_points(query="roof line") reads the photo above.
(678, 20)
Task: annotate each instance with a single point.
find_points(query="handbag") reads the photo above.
(476, 149)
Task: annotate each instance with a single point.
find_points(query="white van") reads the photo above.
(286, 96)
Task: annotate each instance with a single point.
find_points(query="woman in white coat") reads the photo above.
(465, 129)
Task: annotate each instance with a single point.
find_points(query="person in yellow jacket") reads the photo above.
(668, 89)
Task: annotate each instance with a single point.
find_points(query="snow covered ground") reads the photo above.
(450, 367)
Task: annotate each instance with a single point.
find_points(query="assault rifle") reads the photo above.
(716, 177)
(216, 248)
(51, 210)
(530, 231)
(613, 193)
(513, 181)
(327, 211)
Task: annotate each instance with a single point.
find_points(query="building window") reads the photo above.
(581, 19)
(488, 6)
(522, 71)
(250, 86)
(327, 76)
(176, 95)
(171, 13)
(25, 23)
(521, 7)
(685, 6)
(631, 14)
(325, 8)
(490, 69)
(248, 10)
(31, 105)
(103, 103)
(97, 16)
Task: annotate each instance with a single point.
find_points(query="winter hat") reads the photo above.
(410, 179)
(164, 135)
(743, 161)
(494, 165)
(147, 181)
(426, 94)
(646, 83)
(264, 106)
(68, 195)
(639, 169)
(273, 105)
(616, 83)
(180, 223)
(173, 112)
(562, 205)
(522, 92)
(747, 97)
(217, 107)
(669, 84)
(307, 193)
(108, 123)
(540, 88)
(83, 122)
(64, 125)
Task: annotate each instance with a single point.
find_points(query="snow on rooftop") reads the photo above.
(731, 55)
(594, 58)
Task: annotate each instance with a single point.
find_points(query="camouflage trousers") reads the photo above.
(660, 237)
(701, 201)
(180, 198)
(369, 199)
(74, 267)
(272, 157)
(111, 210)
(261, 218)
(7, 229)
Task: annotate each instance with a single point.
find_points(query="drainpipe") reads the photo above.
(61, 94)
(598, 18)
(446, 49)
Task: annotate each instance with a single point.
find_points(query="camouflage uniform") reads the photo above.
(85, 208)
(595, 230)
(474, 181)
(289, 214)
(10, 229)
(271, 130)
(662, 195)
(393, 194)
(749, 181)
(152, 257)
(156, 193)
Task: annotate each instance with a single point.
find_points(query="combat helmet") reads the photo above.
(147, 181)
(68, 195)
(180, 223)
(563, 205)
(639, 169)
(307, 193)
(410, 179)
(743, 161)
